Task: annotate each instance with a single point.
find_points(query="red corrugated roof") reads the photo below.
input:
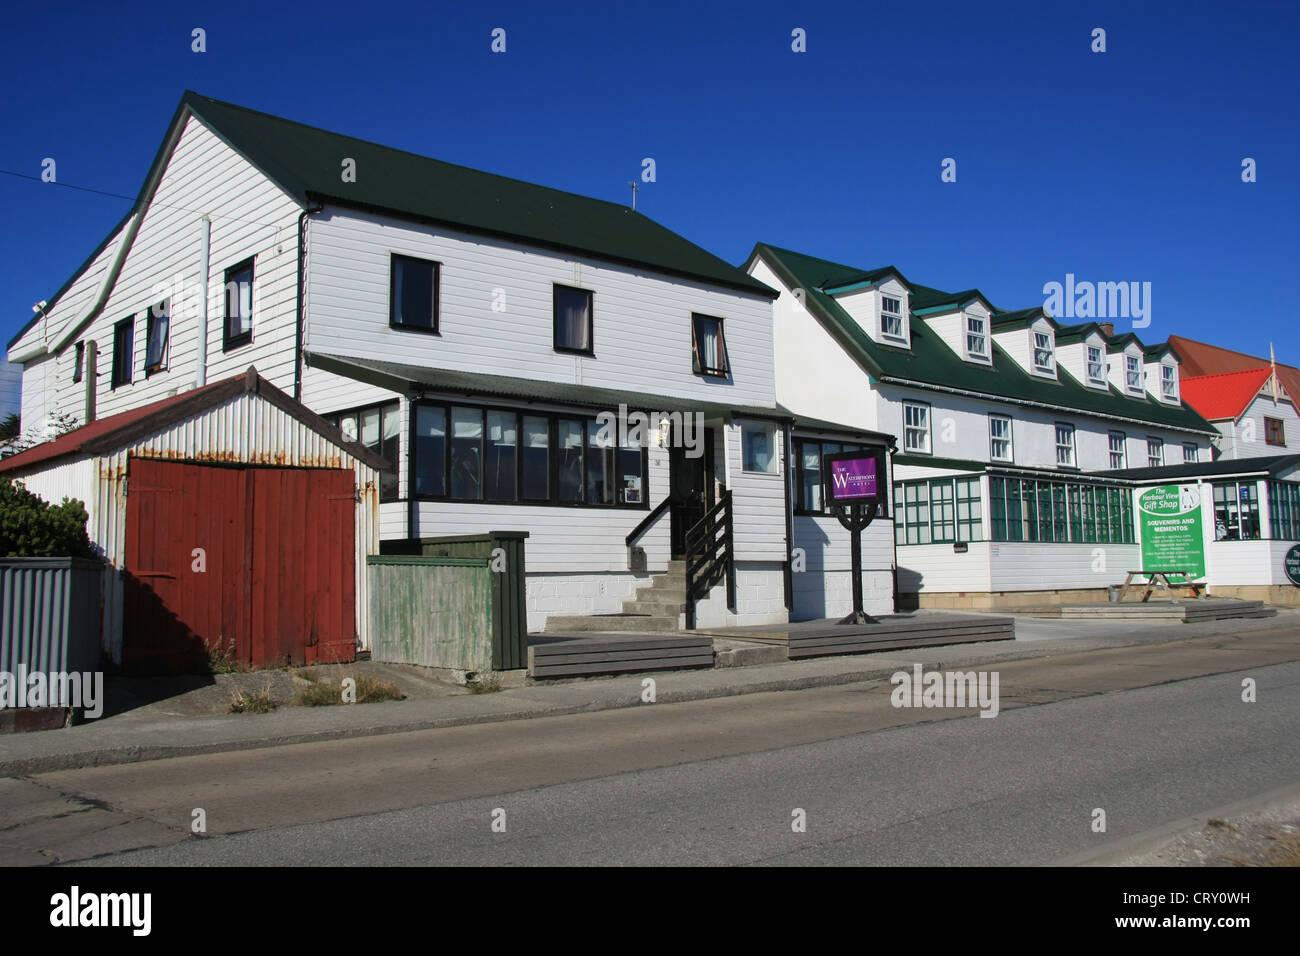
(1223, 396)
(74, 441)
(1201, 358)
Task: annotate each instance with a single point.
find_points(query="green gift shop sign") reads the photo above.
(1170, 526)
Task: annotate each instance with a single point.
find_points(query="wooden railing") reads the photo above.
(710, 557)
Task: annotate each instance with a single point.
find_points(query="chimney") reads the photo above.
(1108, 328)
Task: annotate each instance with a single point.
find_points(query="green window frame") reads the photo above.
(1284, 510)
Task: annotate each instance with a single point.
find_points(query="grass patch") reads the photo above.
(222, 659)
(323, 694)
(257, 702)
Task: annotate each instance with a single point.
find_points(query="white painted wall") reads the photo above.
(1245, 438)
(250, 217)
(824, 588)
(642, 322)
(1073, 357)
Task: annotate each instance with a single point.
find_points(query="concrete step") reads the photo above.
(559, 624)
(667, 596)
(670, 580)
(655, 608)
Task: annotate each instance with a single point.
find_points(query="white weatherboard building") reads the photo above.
(1006, 423)
(472, 330)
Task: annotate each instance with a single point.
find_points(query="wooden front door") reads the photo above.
(690, 486)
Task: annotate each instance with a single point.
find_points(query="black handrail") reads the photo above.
(709, 557)
(648, 520)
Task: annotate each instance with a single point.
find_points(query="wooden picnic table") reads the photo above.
(1160, 579)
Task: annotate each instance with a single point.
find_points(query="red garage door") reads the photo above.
(256, 561)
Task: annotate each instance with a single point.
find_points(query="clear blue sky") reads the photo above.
(1115, 166)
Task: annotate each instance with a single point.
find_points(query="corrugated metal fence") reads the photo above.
(50, 616)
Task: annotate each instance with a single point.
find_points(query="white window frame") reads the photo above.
(1100, 378)
(981, 337)
(1168, 382)
(922, 428)
(1008, 439)
(885, 333)
(1194, 449)
(1049, 367)
(1065, 451)
(1133, 367)
(1122, 451)
(1156, 459)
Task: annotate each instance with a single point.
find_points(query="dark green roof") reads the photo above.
(923, 297)
(1073, 333)
(930, 363)
(1119, 343)
(1265, 465)
(864, 278)
(305, 162)
(406, 379)
(1002, 321)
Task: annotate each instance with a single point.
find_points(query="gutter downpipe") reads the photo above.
(301, 305)
(201, 357)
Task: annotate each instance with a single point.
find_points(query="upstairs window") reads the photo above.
(573, 320)
(916, 427)
(413, 294)
(123, 352)
(1096, 367)
(1118, 455)
(1274, 431)
(1065, 445)
(157, 326)
(977, 339)
(79, 363)
(1000, 438)
(891, 318)
(1169, 383)
(239, 306)
(1155, 452)
(1191, 451)
(1132, 373)
(1042, 352)
(710, 345)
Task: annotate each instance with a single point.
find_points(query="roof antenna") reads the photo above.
(633, 183)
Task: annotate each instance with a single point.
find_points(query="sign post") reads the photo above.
(855, 490)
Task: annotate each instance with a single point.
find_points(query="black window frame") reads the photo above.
(556, 288)
(150, 326)
(79, 363)
(588, 420)
(123, 330)
(697, 359)
(228, 341)
(393, 322)
(336, 418)
(798, 442)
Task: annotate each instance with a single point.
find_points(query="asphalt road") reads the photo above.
(1133, 731)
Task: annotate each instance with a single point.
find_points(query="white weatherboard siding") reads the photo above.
(824, 586)
(11, 388)
(1059, 566)
(1073, 357)
(937, 568)
(642, 322)
(758, 498)
(1248, 440)
(250, 217)
(959, 428)
(40, 397)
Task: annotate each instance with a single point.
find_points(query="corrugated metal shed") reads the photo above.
(243, 420)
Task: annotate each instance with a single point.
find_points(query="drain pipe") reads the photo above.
(201, 359)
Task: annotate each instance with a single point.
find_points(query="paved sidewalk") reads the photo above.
(147, 734)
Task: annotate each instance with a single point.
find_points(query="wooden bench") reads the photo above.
(1159, 580)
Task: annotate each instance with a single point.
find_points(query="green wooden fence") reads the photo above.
(455, 602)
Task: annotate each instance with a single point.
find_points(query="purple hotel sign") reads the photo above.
(854, 478)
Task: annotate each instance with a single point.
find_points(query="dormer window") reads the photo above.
(977, 338)
(891, 318)
(1169, 383)
(1043, 353)
(1133, 373)
(1096, 367)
